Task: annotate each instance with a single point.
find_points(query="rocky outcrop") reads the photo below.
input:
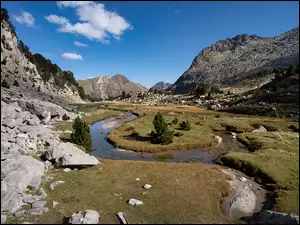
(229, 61)
(160, 86)
(17, 69)
(105, 87)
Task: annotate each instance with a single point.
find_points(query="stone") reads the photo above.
(260, 129)
(39, 204)
(37, 211)
(133, 201)
(20, 213)
(67, 170)
(121, 217)
(56, 183)
(137, 179)
(3, 218)
(218, 138)
(54, 203)
(47, 116)
(8, 123)
(31, 198)
(76, 218)
(47, 164)
(25, 115)
(147, 186)
(86, 217)
(42, 193)
(69, 155)
(242, 179)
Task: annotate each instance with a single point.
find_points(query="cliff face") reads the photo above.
(17, 69)
(229, 61)
(104, 87)
(160, 86)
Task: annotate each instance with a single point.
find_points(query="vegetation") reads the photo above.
(16, 83)
(175, 121)
(65, 117)
(275, 163)
(5, 17)
(5, 84)
(185, 125)
(175, 185)
(81, 134)
(207, 89)
(162, 133)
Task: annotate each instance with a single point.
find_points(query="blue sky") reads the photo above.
(147, 42)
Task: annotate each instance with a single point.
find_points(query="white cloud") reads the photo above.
(72, 56)
(25, 18)
(96, 23)
(57, 19)
(78, 44)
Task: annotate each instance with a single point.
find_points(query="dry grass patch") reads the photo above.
(181, 193)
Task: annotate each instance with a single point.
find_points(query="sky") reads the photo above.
(147, 42)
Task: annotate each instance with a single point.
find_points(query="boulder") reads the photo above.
(8, 123)
(28, 198)
(37, 211)
(121, 217)
(260, 129)
(25, 115)
(54, 203)
(86, 217)
(3, 219)
(20, 213)
(147, 186)
(42, 193)
(133, 201)
(9, 197)
(39, 204)
(69, 155)
(56, 183)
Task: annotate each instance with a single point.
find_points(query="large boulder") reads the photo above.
(86, 217)
(69, 155)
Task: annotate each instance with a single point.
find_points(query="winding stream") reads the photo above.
(247, 196)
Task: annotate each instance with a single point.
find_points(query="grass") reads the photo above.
(201, 134)
(277, 161)
(181, 193)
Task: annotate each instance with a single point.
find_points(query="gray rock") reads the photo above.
(54, 203)
(3, 219)
(37, 211)
(31, 198)
(260, 129)
(56, 183)
(25, 115)
(20, 213)
(147, 186)
(47, 164)
(8, 123)
(121, 217)
(42, 193)
(86, 217)
(39, 204)
(133, 201)
(47, 116)
(66, 169)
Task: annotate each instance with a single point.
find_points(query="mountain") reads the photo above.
(31, 75)
(160, 86)
(104, 87)
(229, 61)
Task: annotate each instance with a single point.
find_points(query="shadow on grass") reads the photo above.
(137, 137)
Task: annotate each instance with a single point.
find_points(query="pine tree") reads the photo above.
(162, 134)
(81, 135)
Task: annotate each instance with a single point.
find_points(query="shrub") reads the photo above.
(185, 125)
(294, 128)
(81, 134)
(134, 134)
(271, 128)
(178, 134)
(175, 120)
(16, 83)
(162, 133)
(5, 84)
(130, 128)
(65, 117)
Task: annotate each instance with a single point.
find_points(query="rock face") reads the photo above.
(104, 87)
(230, 61)
(15, 67)
(160, 86)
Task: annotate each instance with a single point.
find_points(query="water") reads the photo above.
(103, 149)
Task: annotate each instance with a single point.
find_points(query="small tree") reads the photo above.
(185, 125)
(123, 94)
(16, 83)
(81, 134)
(65, 117)
(5, 84)
(175, 120)
(162, 134)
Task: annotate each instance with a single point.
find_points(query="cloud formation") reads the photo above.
(78, 44)
(95, 22)
(72, 56)
(25, 18)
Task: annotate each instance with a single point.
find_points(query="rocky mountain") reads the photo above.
(104, 87)
(31, 75)
(160, 86)
(229, 61)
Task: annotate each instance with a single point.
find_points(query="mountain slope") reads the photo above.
(229, 61)
(32, 75)
(160, 86)
(104, 87)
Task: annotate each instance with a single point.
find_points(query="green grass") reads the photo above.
(276, 161)
(201, 134)
(181, 193)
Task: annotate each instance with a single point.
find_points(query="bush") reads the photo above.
(162, 133)
(178, 134)
(175, 120)
(185, 125)
(65, 117)
(5, 84)
(81, 134)
(134, 134)
(16, 83)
